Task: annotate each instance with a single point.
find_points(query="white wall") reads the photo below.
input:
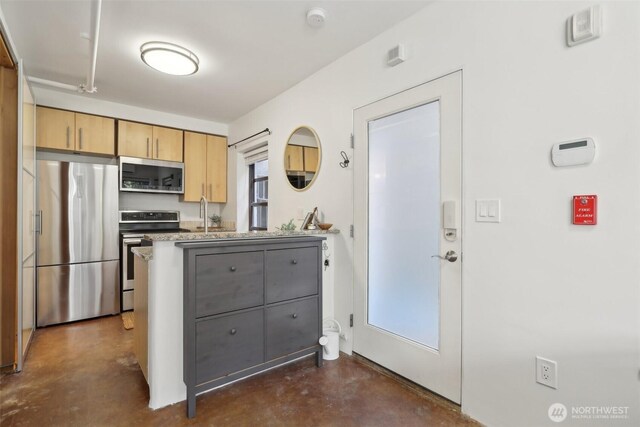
(533, 284)
(91, 105)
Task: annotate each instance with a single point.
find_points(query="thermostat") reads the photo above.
(570, 153)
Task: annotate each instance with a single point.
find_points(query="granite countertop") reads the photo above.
(144, 252)
(211, 230)
(215, 235)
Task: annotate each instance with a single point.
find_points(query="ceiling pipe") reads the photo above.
(89, 86)
(95, 36)
(51, 83)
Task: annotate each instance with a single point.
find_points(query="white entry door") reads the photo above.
(407, 235)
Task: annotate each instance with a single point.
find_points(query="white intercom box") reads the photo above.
(576, 152)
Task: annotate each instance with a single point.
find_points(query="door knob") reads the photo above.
(450, 256)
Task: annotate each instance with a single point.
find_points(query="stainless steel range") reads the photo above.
(133, 226)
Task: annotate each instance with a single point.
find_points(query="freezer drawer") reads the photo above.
(77, 291)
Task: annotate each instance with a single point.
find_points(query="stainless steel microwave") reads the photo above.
(151, 176)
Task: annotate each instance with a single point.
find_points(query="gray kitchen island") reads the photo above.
(224, 306)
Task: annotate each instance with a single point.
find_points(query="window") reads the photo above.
(258, 195)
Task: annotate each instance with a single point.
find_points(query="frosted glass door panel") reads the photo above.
(404, 224)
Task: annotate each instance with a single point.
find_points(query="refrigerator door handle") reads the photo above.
(80, 186)
(39, 222)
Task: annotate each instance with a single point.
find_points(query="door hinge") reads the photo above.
(352, 141)
(351, 233)
(351, 320)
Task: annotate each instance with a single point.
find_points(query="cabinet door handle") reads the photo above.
(294, 261)
(289, 162)
(68, 136)
(294, 315)
(80, 137)
(147, 147)
(233, 331)
(232, 268)
(157, 147)
(210, 192)
(202, 189)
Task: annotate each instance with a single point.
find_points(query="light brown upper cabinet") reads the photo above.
(55, 129)
(294, 158)
(217, 168)
(66, 130)
(151, 142)
(134, 139)
(95, 134)
(205, 167)
(310, 159)
(195, 166)
(168, 144)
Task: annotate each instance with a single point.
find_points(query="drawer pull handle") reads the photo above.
(294, 315)
(294, 261)
(233, 331)
(232, 269)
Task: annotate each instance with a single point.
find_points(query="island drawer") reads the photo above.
(292, 327)
(228, 282)
(228, 343)
(291, 273)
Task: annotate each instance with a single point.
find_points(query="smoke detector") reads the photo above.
(316, 17)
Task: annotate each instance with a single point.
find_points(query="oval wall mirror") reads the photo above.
(302, 158)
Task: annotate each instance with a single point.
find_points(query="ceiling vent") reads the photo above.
(396, 55)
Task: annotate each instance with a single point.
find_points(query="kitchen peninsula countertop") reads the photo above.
(215, 235)
(144, 252)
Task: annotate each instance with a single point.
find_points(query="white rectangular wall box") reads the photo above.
(396, 55)
(584, 26)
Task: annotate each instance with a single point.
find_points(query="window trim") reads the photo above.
(252, 181)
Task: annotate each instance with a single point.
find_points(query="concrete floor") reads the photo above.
(85, 374)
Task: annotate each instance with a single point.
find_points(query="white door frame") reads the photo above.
(443, 378)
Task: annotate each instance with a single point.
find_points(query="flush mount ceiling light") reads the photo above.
(169, 58)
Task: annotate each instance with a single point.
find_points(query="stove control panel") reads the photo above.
(149, 216)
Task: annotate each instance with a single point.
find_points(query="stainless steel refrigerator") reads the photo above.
(77, 257)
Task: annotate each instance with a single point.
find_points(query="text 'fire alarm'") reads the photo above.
(585, 210)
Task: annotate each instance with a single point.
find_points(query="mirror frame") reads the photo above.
(284, 155)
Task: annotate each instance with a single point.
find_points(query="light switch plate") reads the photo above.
(488, 210)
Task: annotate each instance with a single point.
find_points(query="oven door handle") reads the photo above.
(129, 241)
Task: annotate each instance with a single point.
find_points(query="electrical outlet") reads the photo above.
(546, 372)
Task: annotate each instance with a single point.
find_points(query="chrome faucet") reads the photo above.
(206, 212)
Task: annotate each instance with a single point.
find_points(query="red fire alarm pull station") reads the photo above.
(585, 210)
